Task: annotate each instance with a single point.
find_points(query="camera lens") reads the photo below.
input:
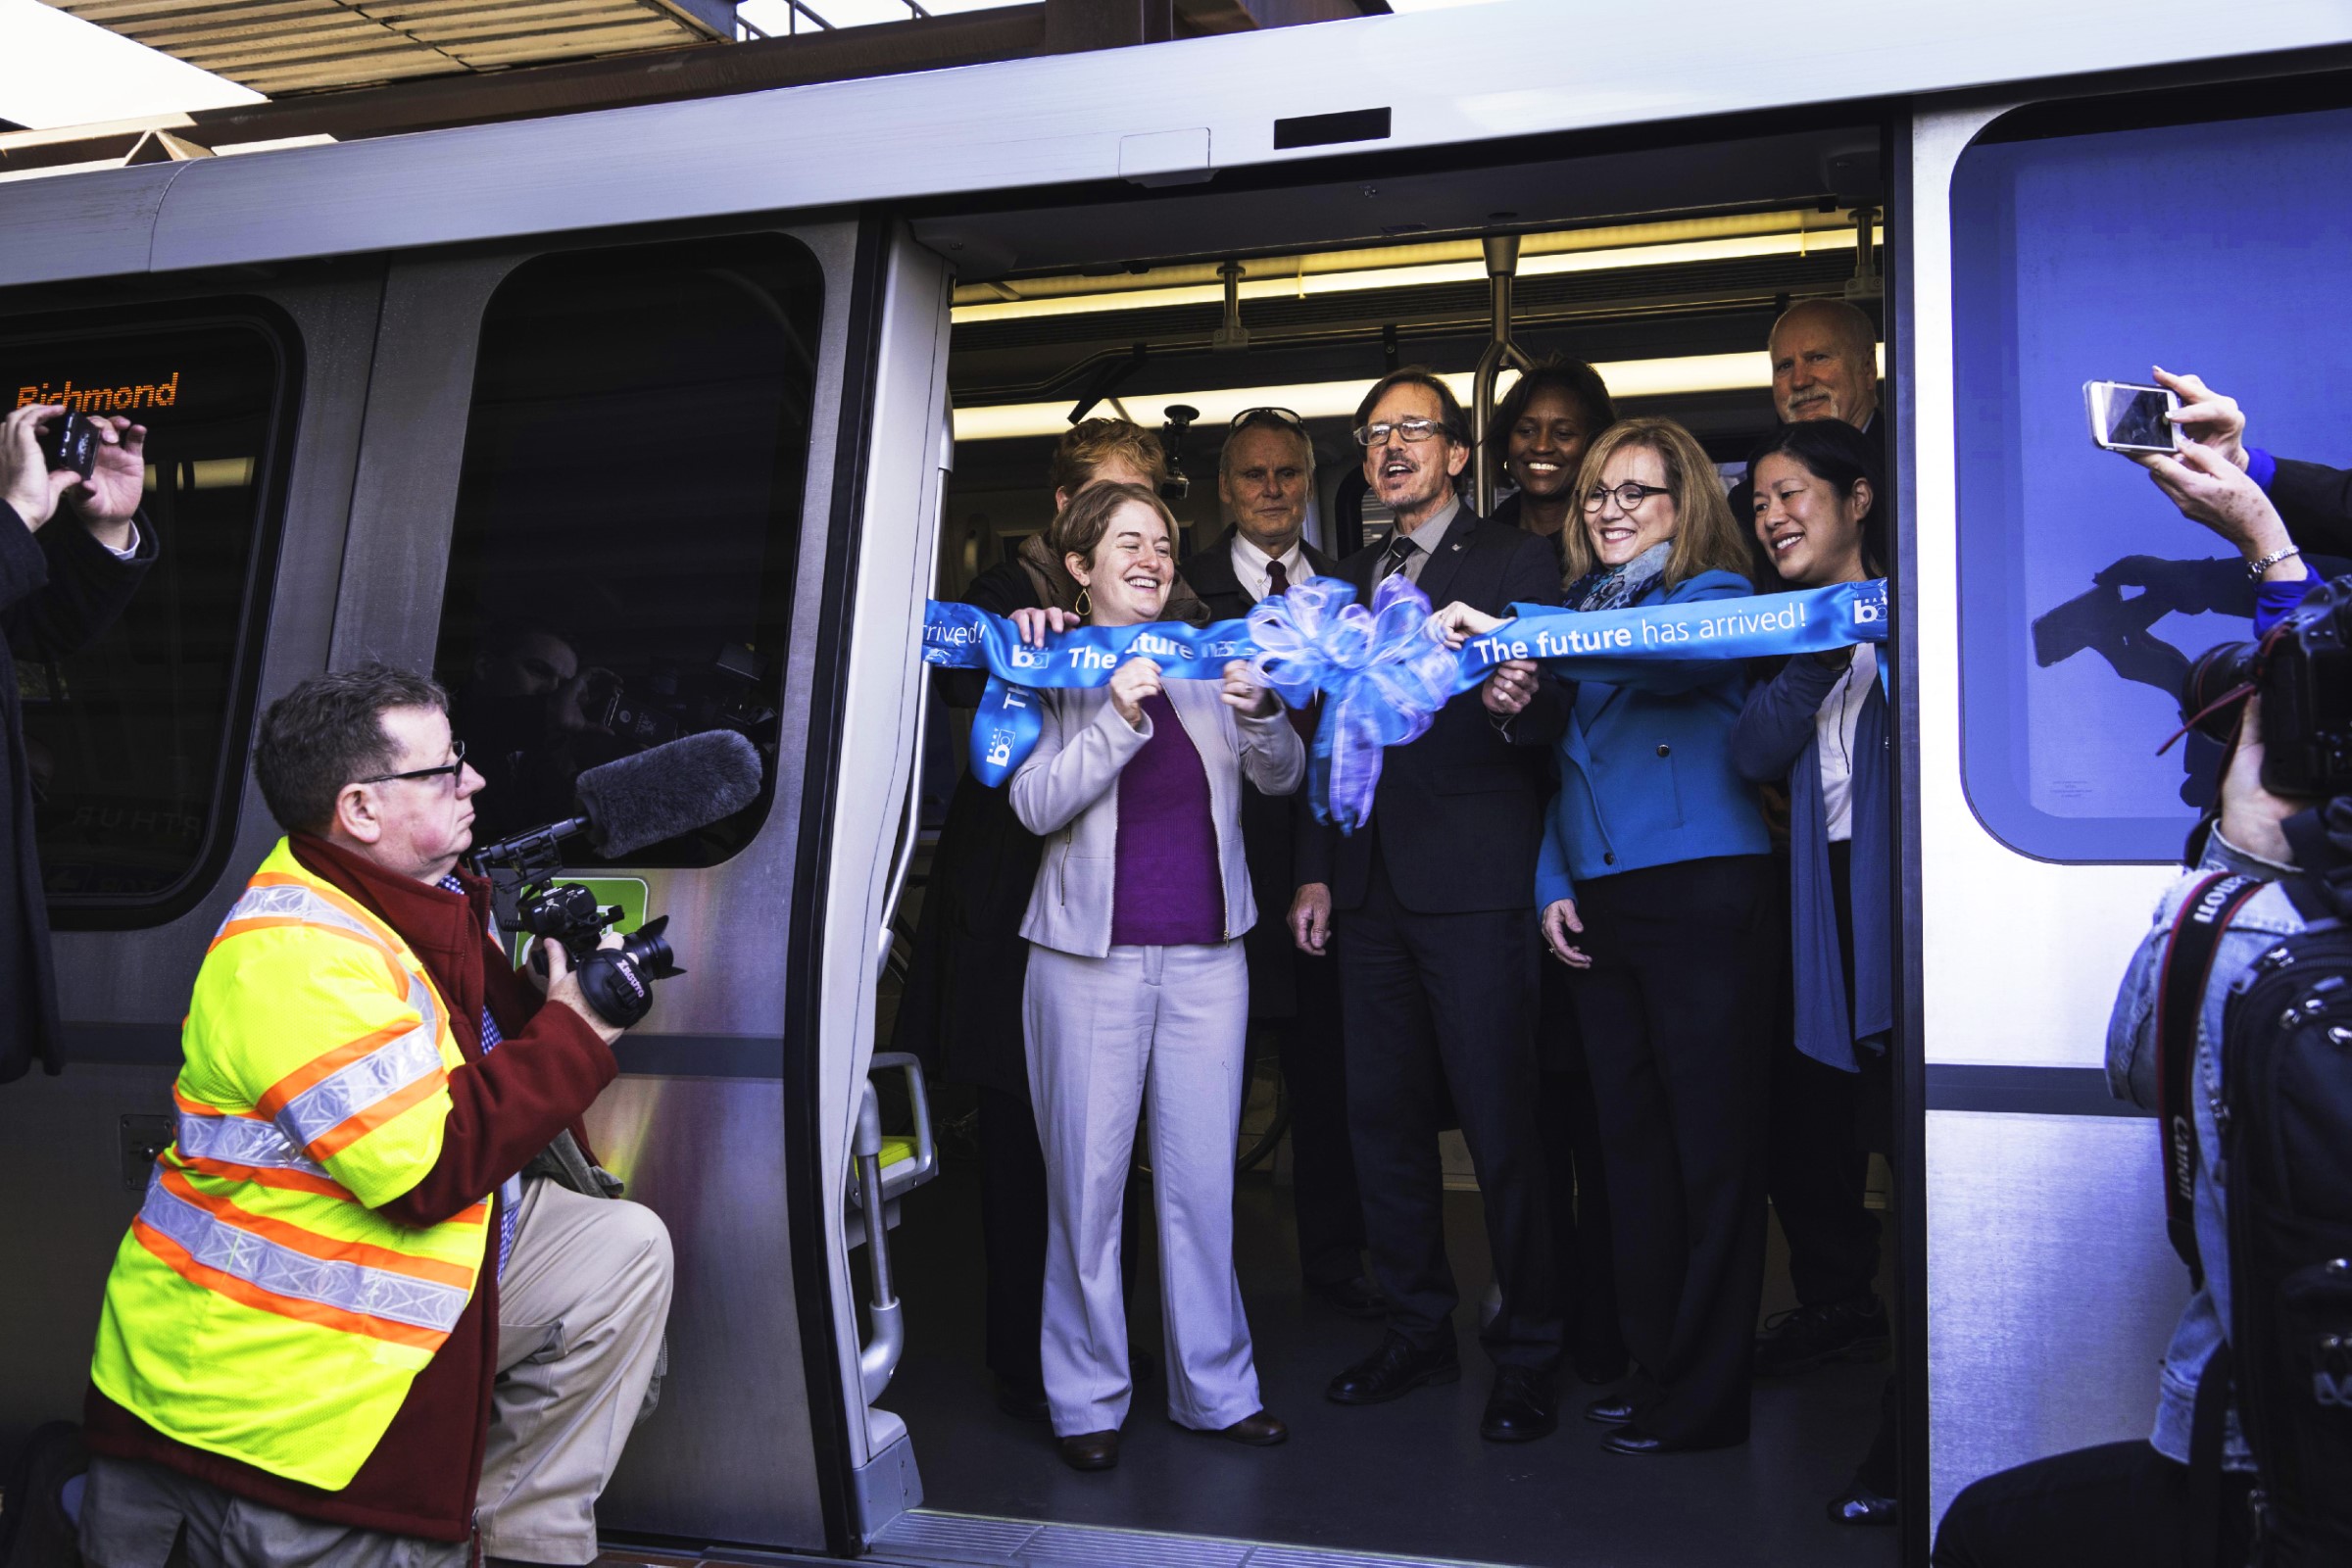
(2219, 672)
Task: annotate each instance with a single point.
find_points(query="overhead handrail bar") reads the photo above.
(1502, 267)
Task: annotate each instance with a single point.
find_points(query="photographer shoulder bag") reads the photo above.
(2188, 954)
(2286, 1120)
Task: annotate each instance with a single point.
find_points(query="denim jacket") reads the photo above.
(2132, 1074)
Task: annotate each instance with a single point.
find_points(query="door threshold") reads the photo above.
(928, 1538)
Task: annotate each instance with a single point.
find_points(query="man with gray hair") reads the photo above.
(1824, 365)
(1265, 477)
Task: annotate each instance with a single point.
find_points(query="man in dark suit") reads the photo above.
(1264, 476)
(1430, 905)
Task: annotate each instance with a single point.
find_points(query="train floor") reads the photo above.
(1411, 1478)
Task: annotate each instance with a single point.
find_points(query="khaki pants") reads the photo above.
(581, 1309)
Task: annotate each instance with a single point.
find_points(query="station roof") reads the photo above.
(287, 46)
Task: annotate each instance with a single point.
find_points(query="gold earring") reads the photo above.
(1085, 605)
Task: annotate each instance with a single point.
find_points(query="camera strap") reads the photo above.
(2188, 954)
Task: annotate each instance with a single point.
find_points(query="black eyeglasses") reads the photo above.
(1286, 417)
(455, 763)
(1630, 495)
(1373, 436)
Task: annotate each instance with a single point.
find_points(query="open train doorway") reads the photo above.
(1177, 309)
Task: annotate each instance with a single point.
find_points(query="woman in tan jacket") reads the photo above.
(1137, 992)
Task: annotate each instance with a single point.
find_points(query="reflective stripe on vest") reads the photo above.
(373, 1298)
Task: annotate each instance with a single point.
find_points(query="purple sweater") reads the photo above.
(1168, 892)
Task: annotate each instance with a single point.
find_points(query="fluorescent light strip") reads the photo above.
(1298, 286)
(1327, 399)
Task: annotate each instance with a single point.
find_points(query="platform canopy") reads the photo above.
(278, 47)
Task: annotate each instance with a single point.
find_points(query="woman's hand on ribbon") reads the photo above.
(1459, 622)
(1510, 688)
(1130, 684)
(1245, 694)
(1559, 921)
(1034, 624)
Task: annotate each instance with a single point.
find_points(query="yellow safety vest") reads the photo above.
(261, 1308)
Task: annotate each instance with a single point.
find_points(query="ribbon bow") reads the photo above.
(1383, 673)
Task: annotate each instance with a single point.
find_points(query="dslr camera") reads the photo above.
(617, 982)
(2303, 673)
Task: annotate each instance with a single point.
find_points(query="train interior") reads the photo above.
(1178, 307)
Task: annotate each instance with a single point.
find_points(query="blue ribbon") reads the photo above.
(1384, 670)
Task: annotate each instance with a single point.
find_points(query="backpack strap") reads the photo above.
(2207, 1428)
(2189, 953)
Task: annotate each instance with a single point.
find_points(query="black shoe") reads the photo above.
(1852, 1330)
(1612, 1410)
(1394, 1370)
(1858, 1505)
(1355, 1298)
(1091, 1451)
(1023, 1401)
(1631, 1439)
(1521, 1407)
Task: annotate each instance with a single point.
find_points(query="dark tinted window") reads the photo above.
(2083, 594)
(620, 573)
(136, 741)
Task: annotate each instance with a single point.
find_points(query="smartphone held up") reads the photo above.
(2128, 417)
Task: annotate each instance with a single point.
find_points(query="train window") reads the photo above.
(621, 570)
(2220, 248)
(135, 740)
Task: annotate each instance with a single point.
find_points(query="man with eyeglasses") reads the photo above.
(1429, 906)
(346, 1327)
(1265, 477)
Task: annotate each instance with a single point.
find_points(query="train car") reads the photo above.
(687, 408)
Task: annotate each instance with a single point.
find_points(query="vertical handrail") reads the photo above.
(911, 821)
(1502, 267)
(878, 1357)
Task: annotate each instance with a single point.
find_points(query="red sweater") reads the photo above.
(504, 1108)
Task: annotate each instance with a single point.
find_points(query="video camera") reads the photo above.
(2303, 673)
(625, 806)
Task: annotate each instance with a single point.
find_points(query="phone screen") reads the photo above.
(2136, 419)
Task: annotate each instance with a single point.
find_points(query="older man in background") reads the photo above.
(1265, 477)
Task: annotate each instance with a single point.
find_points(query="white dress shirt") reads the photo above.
(1250, 564)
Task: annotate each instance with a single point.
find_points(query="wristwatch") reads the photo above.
(2255, 568)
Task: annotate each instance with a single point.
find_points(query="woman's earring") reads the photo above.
(1085, 605)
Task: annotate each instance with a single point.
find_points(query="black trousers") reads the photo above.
(1314, 1073)
(1013, 1234)
(1672, 1013)
(1435, 1004)
(1577, 1185)
(2122, 1504)
(1820, 1152)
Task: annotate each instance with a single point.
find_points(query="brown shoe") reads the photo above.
(1259, 1430)
(1091, 1451)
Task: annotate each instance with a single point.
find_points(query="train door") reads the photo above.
(609, 492)
(1178, 310)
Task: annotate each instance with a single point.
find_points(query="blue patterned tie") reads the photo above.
(510, 1191)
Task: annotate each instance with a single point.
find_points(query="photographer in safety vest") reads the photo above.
(345, 1327)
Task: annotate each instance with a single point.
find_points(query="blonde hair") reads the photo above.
(1077, 529)
(1705, 536)
(1090, 443)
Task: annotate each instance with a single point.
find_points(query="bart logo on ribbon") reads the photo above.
(1383, 669)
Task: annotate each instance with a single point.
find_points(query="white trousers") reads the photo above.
(1167, 1028)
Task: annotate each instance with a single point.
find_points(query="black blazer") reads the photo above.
(1268, 838)
(1458, 814)
(2316, 504)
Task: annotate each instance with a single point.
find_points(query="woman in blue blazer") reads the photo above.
(1655, 883)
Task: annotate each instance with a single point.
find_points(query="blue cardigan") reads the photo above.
(1777, 738)
(1646, 767)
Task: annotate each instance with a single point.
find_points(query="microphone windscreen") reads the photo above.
(667, 790)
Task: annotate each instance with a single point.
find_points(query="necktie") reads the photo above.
(1277, 578)
(1400, 551)
(510, 1191)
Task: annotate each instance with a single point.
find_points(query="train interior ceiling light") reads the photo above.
(1035, 353)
